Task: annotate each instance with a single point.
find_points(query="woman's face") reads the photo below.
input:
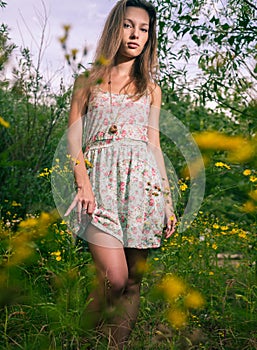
(135, 32)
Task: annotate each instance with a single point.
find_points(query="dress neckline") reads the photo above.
(113, 93)
(116, 94)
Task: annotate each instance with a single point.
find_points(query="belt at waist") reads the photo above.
(113, 141)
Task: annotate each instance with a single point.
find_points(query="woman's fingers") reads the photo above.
(83, 206)
(90, 207)
(171, 223)
(71, 207)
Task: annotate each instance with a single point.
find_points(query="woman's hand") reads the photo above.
(84, 201)
(171, 220)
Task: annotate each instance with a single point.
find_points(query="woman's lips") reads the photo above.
(133, 45)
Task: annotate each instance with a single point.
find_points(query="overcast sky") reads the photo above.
(25, 19)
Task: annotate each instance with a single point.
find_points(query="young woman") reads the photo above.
(123, 201)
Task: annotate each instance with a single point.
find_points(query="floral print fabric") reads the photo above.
(124, 177)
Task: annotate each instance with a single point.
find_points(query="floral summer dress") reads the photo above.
(125, 180)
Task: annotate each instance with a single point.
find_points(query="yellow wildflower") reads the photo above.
(63, 39)
(74, 53)
(172, 287)
(253, 194)
(45, 218)
(102, 61)
(217, 141)
(224, 228)
(66, 27)
(177, 318)
(4, 123)
(253, 178)
(242, 234)
(21, 253)
(214, 246)
(243, 153)
(141, 267)
(240, 149)
(67, 57)
(222, 165)
(31, 222)
(247, 172)
(216, 226)
(234, 231)
(211, 273)
(57, 255)
(249, 207)
(183, 187)
(195, 167)
(15, 204)
(194, 300)
(88, 163)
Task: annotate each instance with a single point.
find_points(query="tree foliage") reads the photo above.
(208, 48)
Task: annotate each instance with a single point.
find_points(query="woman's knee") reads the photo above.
(116, 282)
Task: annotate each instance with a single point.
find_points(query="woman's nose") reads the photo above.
(135, 33)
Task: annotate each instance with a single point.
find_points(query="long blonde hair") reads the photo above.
(145, 66)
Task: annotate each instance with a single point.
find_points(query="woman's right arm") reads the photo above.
(84, 199)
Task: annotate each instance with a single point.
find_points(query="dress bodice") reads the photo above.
(130, 116)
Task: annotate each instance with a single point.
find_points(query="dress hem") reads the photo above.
(97, 225)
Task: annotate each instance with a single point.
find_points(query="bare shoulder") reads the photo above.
(80, 83)
(79, 98)
(156, 94)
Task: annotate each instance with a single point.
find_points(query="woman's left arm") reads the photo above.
(155, 147)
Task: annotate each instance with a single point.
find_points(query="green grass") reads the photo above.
(43, 292)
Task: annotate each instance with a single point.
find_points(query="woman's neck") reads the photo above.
(122, 67)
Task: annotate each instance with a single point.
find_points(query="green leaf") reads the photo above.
(225, 26)
(231, 40)
(196, 39)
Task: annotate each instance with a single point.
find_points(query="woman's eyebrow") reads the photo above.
(143, 24)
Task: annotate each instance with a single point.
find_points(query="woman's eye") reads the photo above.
(126, 25)
(144, 30)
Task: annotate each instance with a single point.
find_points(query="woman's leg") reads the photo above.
(116, 298)
(112, 276)
(129, 301)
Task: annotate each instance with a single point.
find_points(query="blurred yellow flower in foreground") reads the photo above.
(194, 300)
(31, 222)
(239, 149)
(253, 195)
(172, 287)
(195, 167)
(141, 267)
(177, 318)
(102, 61)
(4, 123)
(249, 207)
